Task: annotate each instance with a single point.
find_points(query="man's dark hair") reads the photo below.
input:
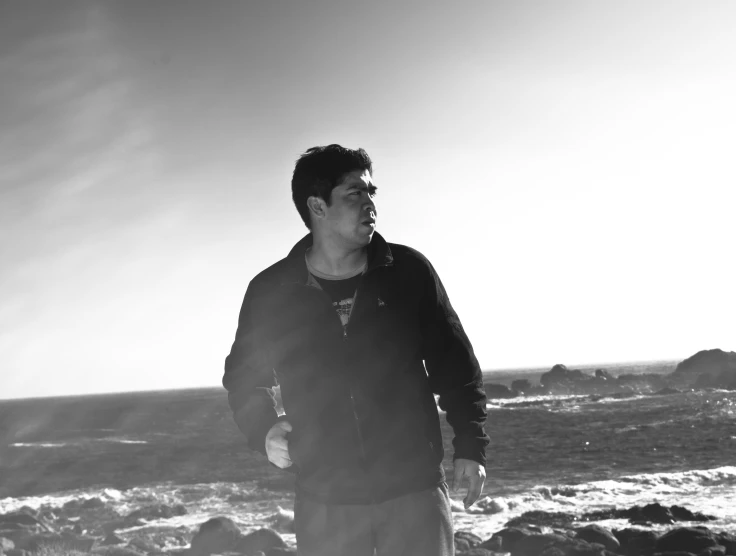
(318, 171)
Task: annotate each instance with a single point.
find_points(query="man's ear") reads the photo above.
(316, 206)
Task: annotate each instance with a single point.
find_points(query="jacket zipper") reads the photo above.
(352, 397)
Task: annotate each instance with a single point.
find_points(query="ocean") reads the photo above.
(556, 453)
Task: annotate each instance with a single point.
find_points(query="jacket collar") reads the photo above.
(379, 254)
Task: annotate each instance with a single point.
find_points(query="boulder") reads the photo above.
(112, 539)
(654, 513)
(683, 514)
(717, 550)
(144, 545)
(713, 362)
(494, 544)
(560, 375)
(729, 541)
(461, 545)
(521, 385)
(535, 543)
(667, 391)
(262, 539)
(6, 544)
(636, 542)
(604, 375)
(18, 524)
(687, 539)
(507, 538)
(573, 547)
(596, 534)
(219, 534)
(471, 538)
(498, 391)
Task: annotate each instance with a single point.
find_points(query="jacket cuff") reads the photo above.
(473, 449)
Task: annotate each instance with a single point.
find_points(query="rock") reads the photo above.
(596, 534)
(76, 506)
(535, 543)
(144, 545)
(713, 362)
(471, 538)
(656, 513)
(112, 539)
(262, 539)
(683, 514)
(538, 517)
(507, 538)
(219, 534)
(521, 385)
(635, 542)
(573, 547)
(561, 375)
(488, 505)
(687, 539)
(717, 550)
(461, 545)
(603, 374)
(498, 391)
(493, 544)
(729, 541)
(6, 544)
(20, 523)
(666, 391)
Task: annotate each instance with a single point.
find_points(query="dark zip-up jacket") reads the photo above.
(365, 425)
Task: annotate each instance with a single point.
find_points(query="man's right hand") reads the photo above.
(277, 446)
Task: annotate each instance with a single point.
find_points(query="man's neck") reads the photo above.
(333, 260)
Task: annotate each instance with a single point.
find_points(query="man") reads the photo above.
(359, 334)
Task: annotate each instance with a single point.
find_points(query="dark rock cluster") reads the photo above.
(91, 527)
(706, 369)
(555, 534)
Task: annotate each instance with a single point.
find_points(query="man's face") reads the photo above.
(351, 216)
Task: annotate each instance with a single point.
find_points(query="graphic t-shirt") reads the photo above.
(340, 289)
(342, 293)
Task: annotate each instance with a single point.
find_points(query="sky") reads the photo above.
(566, 166)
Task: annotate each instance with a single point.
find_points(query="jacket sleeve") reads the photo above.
(249, 378)
(454, 372)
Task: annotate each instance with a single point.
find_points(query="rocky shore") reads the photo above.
(713, 368)
(91, 527)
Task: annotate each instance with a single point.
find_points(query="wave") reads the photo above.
(38, 445)
(74, 443)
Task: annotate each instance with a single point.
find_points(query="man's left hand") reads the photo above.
(476, 475)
